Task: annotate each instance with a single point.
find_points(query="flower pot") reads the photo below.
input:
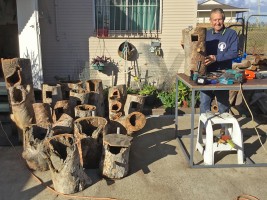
(98, 66)
(102, 32)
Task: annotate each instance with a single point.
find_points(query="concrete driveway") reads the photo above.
(158, 170)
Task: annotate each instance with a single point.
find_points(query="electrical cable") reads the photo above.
(48, 187)
(254, 123)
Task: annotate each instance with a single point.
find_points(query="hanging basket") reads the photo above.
(98, 66)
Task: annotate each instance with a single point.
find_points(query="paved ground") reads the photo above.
(158, 170)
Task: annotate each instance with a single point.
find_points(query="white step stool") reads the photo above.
(208, 147)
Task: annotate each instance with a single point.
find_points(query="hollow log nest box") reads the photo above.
(194, 48)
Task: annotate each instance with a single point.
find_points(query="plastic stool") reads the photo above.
(208, 147)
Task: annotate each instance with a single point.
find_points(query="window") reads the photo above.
(128, 16)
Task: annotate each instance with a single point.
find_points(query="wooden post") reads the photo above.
(42, 113)
(195, 49)
(17, 71)
(21, 98)
(51, 94)
(60, 108)
(134, 103)
(89, 132)
(84, 110)
(115, 156)
(66, 86)
(129, 124)
(63, 125)
(63, 159)
(96, 96)
(34, 149)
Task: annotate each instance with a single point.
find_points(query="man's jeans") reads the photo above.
(222, 99)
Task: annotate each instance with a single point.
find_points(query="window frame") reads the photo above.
(129, 33)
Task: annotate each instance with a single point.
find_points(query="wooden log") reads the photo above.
(129, 124)
(89, 132)
(63, 125)
(22, 98)
(51, 94)
(115, 156)
(67, 86)
(134, 103)
(78, 97)
(42, 113)
(84, 110)
(96, 96)
(63, 159)
(118, 92)
(195, 49)
(115, 109)
(17, 71)
(34, 148)
(60, 108)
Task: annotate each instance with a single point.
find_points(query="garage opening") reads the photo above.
(9, 43)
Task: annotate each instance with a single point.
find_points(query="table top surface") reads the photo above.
(258, 84)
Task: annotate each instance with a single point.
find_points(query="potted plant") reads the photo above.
(149, 91)
(98, 62)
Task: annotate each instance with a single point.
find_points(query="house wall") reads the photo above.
(159, 70)
(65, 27)
(69, 43)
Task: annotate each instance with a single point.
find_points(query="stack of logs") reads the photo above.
(68, 131)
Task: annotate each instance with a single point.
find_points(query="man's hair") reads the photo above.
(218, 10)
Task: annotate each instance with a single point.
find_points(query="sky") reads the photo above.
(251, 4)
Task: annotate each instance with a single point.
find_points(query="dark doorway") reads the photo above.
(9, 44)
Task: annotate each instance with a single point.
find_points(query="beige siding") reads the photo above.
(66, 30)
(177, 15)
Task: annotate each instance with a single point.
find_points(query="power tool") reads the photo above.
(231, 76)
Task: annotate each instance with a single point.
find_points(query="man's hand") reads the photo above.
(209, 59)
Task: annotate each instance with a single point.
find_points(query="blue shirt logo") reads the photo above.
(222, 46)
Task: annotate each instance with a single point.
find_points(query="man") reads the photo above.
(221, 48)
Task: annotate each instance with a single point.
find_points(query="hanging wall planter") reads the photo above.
(98, 63)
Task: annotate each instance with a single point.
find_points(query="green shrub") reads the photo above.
(147, 90)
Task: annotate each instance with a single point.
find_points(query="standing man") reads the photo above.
(221, 48)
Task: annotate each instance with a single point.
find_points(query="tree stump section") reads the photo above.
(42, 113)
(60, 108)
(78, 97)
(96, 96)
(84, 110)
(34, 149)
(129, 124)
(63, 125)
(118, 92)
(21, 99)
(115, 109)
(195, 49)
(115, 156)
(66, 171)
(51, 94)
(134, 103)
(89, 132)
(17, 71)
(67, 86)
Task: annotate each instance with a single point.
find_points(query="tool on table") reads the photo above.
(200, 79)
(250, 74)
(230, 76)
(261, 74)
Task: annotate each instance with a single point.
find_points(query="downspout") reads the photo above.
(56, 24)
